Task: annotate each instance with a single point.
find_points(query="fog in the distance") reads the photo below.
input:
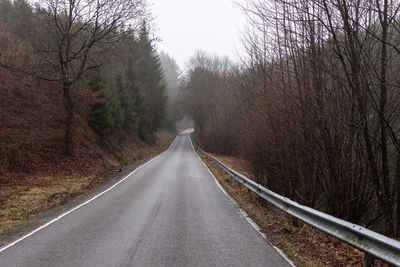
(184, 26)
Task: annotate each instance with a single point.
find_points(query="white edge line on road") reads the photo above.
(242, 211)
(83, 204)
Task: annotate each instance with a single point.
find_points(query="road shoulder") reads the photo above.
(303, 245)
(46, 215)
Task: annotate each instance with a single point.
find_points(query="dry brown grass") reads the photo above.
(304, 245)
(35, 174)
(24, 201)
(32, 194)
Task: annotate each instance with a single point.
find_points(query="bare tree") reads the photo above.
(72, 35)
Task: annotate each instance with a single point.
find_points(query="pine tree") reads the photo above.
(152, 86)
(174, 107)
(134, 108)
(108, 114)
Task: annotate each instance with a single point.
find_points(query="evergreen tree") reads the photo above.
(108, 114)
(152, 86)
(134, 101)
(134, 96)
(174, 107)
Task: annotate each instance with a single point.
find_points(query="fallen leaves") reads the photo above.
(304, 245)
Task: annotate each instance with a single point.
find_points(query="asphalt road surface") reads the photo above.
(170, 212)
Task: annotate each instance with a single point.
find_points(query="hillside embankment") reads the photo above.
(35, 174)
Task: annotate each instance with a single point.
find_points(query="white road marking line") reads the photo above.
(83, 204)
(243, 212)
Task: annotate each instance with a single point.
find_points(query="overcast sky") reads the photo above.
(186, 26)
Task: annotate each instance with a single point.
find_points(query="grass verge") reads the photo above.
(304, 245)
(23, 202)
(25, 199)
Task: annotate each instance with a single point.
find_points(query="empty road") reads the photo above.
(170, 212)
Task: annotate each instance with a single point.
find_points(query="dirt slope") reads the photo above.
(35, 175)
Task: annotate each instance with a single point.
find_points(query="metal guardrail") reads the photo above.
(373, 244)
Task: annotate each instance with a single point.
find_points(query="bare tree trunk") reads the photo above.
(398, 195)
(69, 107)
(382, 120)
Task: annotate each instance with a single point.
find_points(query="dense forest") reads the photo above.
(78, 77)
(313, 106)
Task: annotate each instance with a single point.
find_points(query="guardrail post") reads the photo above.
(369, 260)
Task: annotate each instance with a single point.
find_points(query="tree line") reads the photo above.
(313, 106)
(105, 46)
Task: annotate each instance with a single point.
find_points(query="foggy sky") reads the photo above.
(186, 26)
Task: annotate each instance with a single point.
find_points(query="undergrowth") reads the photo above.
(304, 245)
(25, 197)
